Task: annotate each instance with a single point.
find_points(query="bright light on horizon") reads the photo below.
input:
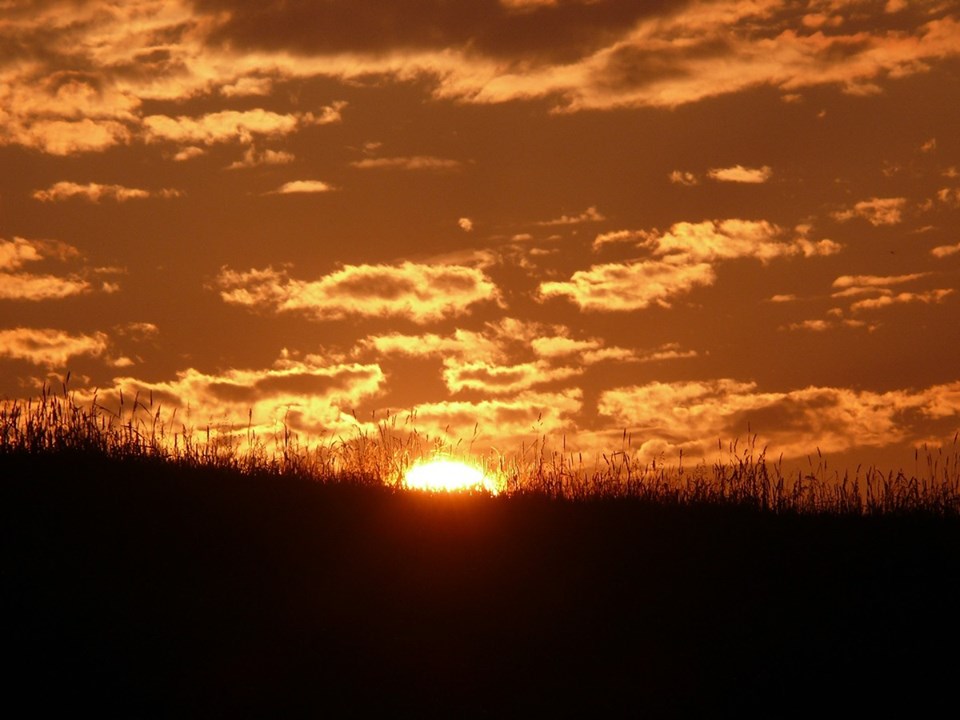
(445, 475)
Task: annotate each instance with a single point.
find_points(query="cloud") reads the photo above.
(588, 215)
(876, 281)
(95, 192)
(301, 396)
(681, 177)
(494, 379)
(929, 297)
(465, 224)
(420, 293)
(713, 240)
(741, 174)
(232, 125)
(876, 211)
(295, 187)
(629, 286)
(15, 284)
(682, 260)
(623, 236)
(693, 415)
(504, 423)
(942, 251)
(416, 162)
(255, 158)
(48, 347)
(67, 137)
(462, 344)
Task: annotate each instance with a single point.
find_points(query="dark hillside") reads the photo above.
(138, 588)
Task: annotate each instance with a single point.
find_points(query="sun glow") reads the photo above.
(445, 475)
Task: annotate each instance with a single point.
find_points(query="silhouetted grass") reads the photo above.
(147, 575)
(57, 424)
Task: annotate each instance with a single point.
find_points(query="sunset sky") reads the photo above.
(529, 217)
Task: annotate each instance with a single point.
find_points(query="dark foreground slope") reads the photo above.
(140, 591)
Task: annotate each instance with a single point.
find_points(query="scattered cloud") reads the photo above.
(303, 396)
(876, 211)
(681, 177)
(683, 258)
(420, 293)
(16, 284)
(255, 158)
(232, 125)
(589, 215)
(494, 379)
(416, 162)
(741, 174)
(295, 187)
(928, 297)
(49, 347)
(629, 286)
(95, 192)
(693, 415)
(942, 251)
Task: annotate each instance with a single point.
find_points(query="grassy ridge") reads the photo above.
(145, 585)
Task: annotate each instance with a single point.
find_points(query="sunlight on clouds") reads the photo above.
(420, 293)
(95, 192)
(502, 379)
(876, 211)
(49, 347)
(741, 174)
(304, 397)
(942, 251)
(18, 285)
(297, 187)
(629, 286)
(416, 162)
(673, 415)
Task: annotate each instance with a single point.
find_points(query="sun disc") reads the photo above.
(444, 475)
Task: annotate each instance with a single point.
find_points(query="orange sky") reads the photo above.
(562, 217)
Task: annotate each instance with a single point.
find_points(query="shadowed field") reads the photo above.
(141, 587)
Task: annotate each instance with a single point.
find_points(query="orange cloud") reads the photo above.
(681, 177)
(48, 347)
(18, 285)
(630, 286)
(589, 215)
(95, 192)
(502, 379)
(928, 298)
(416, 162)
(693, 415)
(255, 158)
(942, 251)
(304, 397)
(421, 293)
(741, 174)
(501, 423)
(876, 211)
(232, 125)
(295, 187)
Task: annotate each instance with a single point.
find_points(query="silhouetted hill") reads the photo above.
(140, 588)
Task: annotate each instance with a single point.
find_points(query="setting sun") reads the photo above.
(444, 475)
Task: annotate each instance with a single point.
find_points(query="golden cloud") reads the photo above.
(416, 162)
(495, 379)
(95, 192)
(876, 211)
(741, 174)
(694, 415)
(420, 293)
(49, 347)
(630, 286)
